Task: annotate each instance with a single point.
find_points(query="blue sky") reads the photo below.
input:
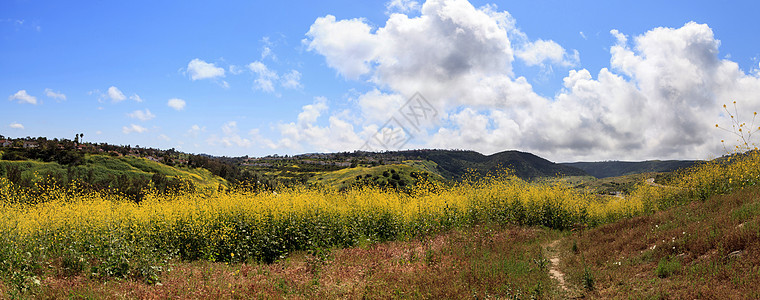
(580, 80)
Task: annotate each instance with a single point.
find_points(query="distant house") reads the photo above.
(28, 144)
(5, 143)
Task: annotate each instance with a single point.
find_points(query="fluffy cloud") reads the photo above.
(115, 94)
(266, 77)
(142, 115)
(338, 135)
(55, 95)
(377, 106)
(199, 69)
(660, 98)
(176, 104)
(16, 125)
(446, 53)
(22, 97)
(312, 111)
(402, 6)
(291, 80)
(348, 45)
(133, 128)
(541, 51)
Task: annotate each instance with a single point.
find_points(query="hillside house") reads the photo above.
(28, 144)
(5, 143)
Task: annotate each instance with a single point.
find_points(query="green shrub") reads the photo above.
(666, 267)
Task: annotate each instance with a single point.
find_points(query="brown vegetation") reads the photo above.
(467, 263)
(702, 250)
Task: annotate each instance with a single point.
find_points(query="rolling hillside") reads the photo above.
(98, 169)
(453, 164)
(394, 176)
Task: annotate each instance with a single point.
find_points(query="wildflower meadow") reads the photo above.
(63, 231)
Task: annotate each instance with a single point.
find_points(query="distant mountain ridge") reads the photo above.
(606, 169)
(453, 164)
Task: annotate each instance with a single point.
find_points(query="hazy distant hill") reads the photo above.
(453, 164)
(620, 168)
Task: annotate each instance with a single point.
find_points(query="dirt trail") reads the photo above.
(554, 271)
(552, 252)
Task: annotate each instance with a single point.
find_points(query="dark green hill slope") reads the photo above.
(453, 164)
(606, 169)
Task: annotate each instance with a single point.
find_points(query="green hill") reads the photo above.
(391, 176)
(102, 170)
(454, 164)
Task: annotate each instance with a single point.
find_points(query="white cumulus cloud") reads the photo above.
(142, 115)
(22, 97)
(659, 99)
(338, 135)
(176, 103)
(133, 128)
(541, 51)
(199, 69)
(16, 125)
(348, 45)
(115, 94)
(266, 77)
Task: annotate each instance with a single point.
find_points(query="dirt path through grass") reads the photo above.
(554, 271)
(553, 254)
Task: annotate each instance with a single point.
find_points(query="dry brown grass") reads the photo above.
(477, 262)
(707, 249)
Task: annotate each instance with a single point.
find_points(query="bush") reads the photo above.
(667, 267)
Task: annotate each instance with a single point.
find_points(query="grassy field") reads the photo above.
(310, 242)
(399, 175)
(102, 168)
(702, 250)
(473, 262)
